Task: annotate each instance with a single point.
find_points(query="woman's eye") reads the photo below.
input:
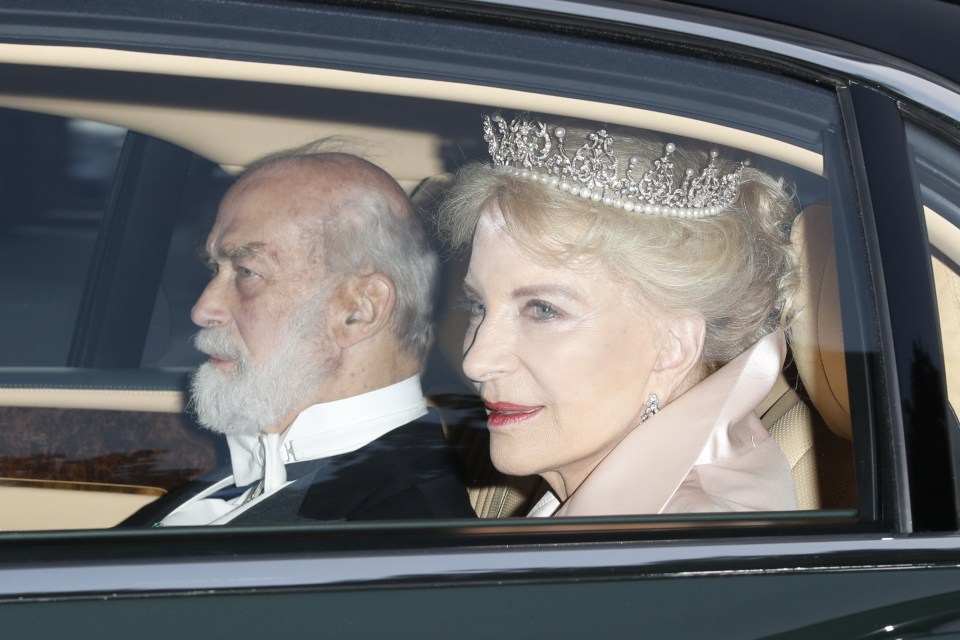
(472, 306)
(542, 310)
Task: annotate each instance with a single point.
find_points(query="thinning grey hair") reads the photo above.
(377, 240)
(374, 228)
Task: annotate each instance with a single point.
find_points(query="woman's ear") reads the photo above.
(366, 308)
(680, 353)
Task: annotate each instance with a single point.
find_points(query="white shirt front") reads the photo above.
(320, 431)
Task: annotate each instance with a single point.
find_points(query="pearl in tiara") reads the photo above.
(526, 147)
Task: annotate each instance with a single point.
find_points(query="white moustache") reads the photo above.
(215, 342)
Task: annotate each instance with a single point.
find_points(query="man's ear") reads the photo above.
(366, 307)
(680, 352)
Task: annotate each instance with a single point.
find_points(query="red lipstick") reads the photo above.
(507, 413)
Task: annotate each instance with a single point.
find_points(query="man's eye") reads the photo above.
(472, 306)
(542, 310)
(243, 272)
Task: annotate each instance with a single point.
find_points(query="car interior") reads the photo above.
(70, 415)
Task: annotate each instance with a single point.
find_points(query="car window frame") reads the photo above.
(644, 534)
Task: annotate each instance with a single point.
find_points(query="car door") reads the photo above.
(208, 89)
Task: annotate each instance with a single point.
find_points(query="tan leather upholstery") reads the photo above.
(816, 440)
(948, 306)
(822, 462)
(816, 337)
(31, 505)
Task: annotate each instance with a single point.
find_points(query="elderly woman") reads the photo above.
(625, 298)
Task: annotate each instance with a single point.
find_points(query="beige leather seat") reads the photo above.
(947, 281)
(814, 430)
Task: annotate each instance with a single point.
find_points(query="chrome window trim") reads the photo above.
(354, 569)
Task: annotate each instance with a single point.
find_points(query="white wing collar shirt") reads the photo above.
(320, 431)
(705, 451)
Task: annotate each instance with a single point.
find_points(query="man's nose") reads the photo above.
(488, 352)
(210, 310)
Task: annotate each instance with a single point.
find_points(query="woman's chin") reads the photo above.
(508, 461)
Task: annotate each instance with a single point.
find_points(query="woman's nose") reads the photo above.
(210, 309)
(487, 352)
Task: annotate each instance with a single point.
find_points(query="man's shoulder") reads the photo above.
(402, 454)
(409, 472)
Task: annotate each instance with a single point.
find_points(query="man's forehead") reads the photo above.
(237, 234)
(250, 227)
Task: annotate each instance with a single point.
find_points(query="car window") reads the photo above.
(56, 177)
(786, 126)
(96, 420)
(92, 461)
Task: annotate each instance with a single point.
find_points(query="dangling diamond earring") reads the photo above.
(653, 408)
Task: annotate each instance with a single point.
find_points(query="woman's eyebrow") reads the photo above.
(538, 290)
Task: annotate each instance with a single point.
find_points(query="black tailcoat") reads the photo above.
(410, 472)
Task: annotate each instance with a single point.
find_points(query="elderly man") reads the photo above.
(316, 320)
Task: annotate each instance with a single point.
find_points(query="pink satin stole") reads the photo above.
(644, 471)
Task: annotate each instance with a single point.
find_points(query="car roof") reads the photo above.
(920, 32)
(923, 32)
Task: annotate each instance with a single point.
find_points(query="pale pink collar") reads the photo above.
(712, 421)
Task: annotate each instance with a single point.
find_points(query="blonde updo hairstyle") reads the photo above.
(736, 269)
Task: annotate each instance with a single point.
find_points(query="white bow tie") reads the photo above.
(258, 458)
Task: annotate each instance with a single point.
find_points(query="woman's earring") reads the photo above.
(653, 408)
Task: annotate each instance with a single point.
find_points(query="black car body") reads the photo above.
(177, 95)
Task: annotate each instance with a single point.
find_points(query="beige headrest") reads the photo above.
(948, 304)
(817, 334)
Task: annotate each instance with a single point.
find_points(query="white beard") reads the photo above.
(250, 400)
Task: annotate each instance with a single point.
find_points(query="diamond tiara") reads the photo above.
(528, 148)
